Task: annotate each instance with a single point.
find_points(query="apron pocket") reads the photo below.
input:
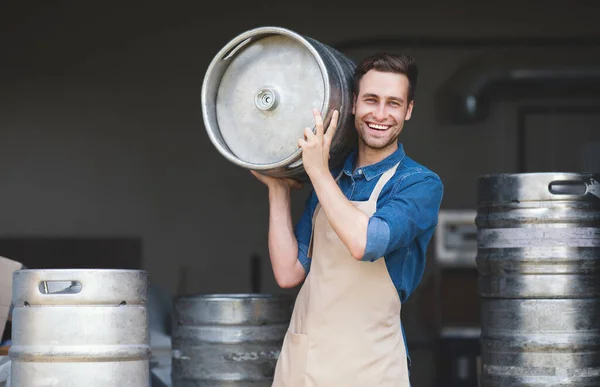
(293, 361)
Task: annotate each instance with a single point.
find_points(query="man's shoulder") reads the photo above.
(414, 171)
(413, 179)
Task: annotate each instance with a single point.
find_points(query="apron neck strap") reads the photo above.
(383, 179)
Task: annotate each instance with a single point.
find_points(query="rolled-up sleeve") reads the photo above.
(410, 210)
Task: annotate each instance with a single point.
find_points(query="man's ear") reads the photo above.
(353, 103)
(409, 110)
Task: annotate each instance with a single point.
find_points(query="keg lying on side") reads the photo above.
(80, 328)
(228, 340)
(258, 94)
(539, 279)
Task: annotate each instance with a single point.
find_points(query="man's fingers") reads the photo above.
(308, 133)
(269, 180)
(332, 125)
(294, 184)
(262, 178)
(318, 123)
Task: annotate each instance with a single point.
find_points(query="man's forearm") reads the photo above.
(349, 223)
(283, 246)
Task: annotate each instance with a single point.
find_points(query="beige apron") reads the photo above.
(345, 328)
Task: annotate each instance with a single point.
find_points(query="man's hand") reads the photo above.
(315, 146)
(276, 182)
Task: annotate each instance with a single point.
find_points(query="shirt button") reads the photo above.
(359, 171)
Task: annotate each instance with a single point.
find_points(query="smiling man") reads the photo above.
(360, 244)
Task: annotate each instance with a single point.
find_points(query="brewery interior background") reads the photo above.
(104, 160)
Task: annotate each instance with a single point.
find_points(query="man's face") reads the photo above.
(380, 108)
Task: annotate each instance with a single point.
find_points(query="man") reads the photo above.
(360, 244)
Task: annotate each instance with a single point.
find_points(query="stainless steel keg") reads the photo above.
(228, 340)
(539, 279)
(80, 328)
(258, 94)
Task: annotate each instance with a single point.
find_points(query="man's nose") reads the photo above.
(379, 112)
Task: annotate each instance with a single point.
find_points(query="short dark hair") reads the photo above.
(390, 63)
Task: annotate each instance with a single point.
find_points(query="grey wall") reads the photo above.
(101, 130)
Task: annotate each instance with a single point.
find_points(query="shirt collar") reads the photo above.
(372, 171)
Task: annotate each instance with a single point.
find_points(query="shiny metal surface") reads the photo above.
(80, 328)
(539, 279)
(228, 340)
(258, 94)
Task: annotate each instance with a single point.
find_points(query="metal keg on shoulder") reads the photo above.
(539, 279)
(80, 327)
(228, 340)
(258, 94)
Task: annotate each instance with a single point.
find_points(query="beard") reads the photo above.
(377, 143)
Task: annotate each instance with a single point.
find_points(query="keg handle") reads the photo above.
(59, 287)
(235, 49)
(568, 187)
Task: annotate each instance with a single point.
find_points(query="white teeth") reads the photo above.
(380, 127)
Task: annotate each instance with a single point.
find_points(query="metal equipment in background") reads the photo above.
(539, 279)
(80, 327)
(4, 371)
(258, 94)
(456, 309)
(228, 339)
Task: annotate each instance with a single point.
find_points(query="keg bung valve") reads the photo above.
(266, 99)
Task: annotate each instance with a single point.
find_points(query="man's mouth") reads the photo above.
(378, 127)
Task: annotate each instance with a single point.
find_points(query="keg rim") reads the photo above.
(293, 159)
(234, 296)
(540, 174)
(73, 272)
(97, 270)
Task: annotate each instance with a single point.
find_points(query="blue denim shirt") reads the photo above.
(403, 224)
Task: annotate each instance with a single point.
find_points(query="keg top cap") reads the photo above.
(543, 186)
(233, 308)
(83, 286)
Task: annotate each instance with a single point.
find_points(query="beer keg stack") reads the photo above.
(539, 279)
(258, 94)
(228, 339)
